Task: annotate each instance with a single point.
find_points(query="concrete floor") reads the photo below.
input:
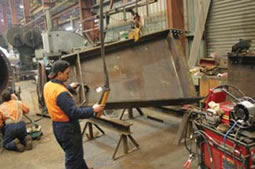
(155, 139)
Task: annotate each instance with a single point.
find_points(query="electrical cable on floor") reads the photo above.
(33, 121)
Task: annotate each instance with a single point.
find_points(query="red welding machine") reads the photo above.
(234, 147)
(239, 109)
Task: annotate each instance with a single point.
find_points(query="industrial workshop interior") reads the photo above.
(127, 84)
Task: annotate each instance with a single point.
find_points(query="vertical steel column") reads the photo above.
(13, 12)
(48, 19)
(26, 10)
(85, 12)
(4, 12)
(1, 25)
(175, 16)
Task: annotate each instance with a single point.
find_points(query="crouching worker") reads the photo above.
(15, 136)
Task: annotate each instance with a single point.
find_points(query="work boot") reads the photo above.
(28, 140)
(20, 147)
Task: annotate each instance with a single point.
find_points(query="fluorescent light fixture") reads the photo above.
(69, 28)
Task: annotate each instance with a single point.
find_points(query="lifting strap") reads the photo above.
(106, 88)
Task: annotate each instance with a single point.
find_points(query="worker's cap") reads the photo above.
(58, 66)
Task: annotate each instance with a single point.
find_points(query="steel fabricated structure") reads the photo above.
(147, 73)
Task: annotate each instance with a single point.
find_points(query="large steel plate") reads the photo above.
(150, 72)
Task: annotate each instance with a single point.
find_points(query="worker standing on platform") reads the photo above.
(65, 114)
(15, 136)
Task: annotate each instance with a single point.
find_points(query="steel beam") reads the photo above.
(204, 7)
(151, 103)
(70, 8)
(113, 123)
(121, 8)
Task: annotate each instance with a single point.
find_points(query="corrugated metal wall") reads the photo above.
(154, 17)
(229, 21)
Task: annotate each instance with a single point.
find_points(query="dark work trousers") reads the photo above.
(68, 135)
(13, 131)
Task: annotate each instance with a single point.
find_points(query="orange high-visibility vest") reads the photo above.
(12, 111)
(51, 92)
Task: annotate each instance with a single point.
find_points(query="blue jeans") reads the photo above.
(13, 131)
(68, 135)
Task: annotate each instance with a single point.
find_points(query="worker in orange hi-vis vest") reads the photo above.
(15, 136)
(65, 114)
